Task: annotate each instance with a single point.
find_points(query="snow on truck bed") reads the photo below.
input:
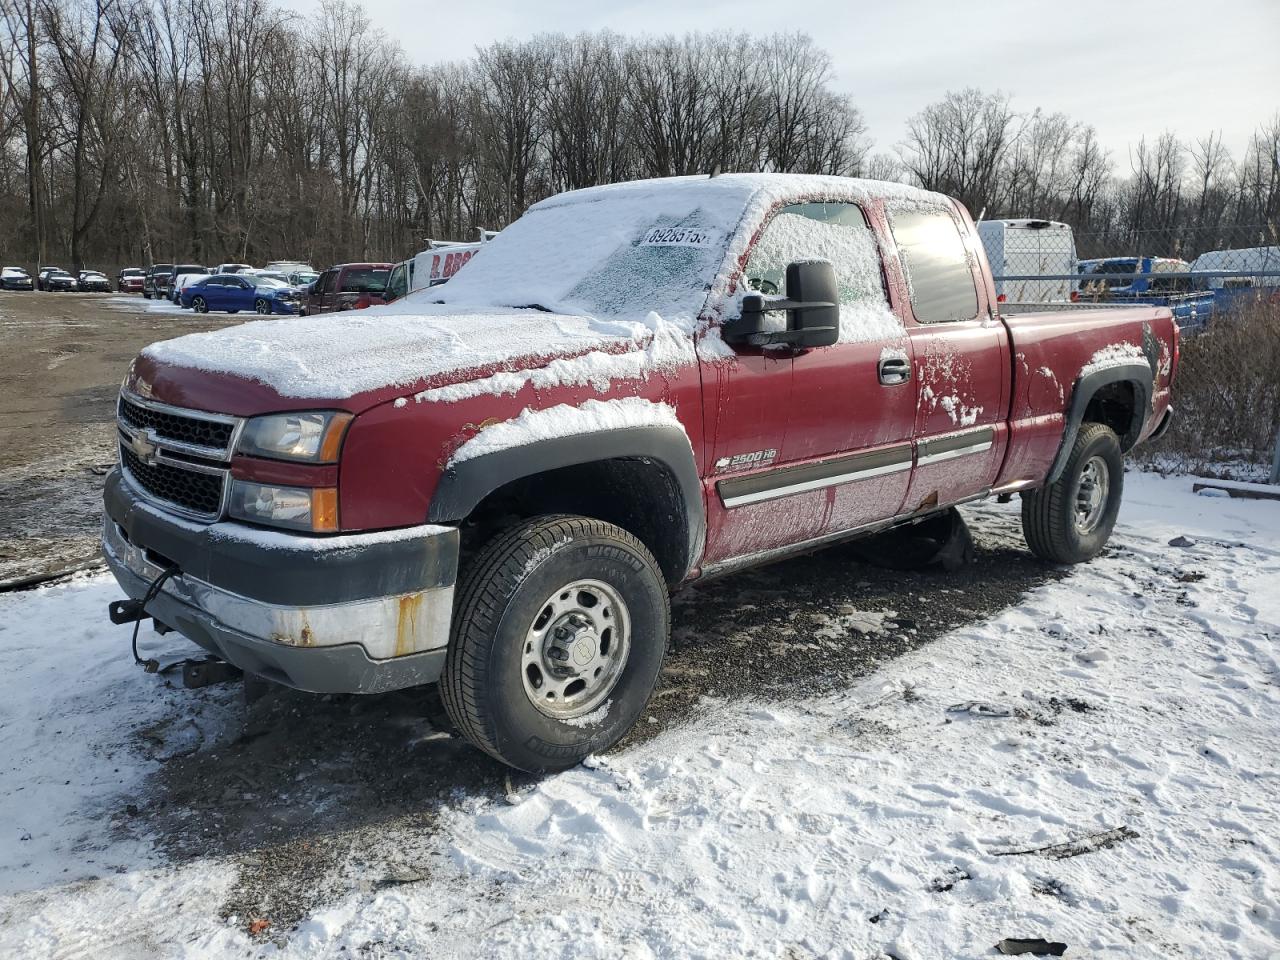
(1096, 764)
(608, 270)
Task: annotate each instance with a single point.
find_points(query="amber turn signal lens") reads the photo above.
(324, 510)
(332, 441)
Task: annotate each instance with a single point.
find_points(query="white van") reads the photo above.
(433, 266)
(1030, 248)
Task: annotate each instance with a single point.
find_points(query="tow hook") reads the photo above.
(126, 611)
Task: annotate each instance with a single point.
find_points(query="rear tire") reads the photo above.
(1071, 519)
(199, 305)
(559, 633)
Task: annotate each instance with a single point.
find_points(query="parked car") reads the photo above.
(15, 278)
(183, 271)
(1030, 248)
(156, 281)
(1256, 276)
(347, 285)
(235, 292)
(303, 278)
(55, 278)
(514, 533)
(290, 266)
(182, 282)
(130, 280)
(231, 268)
(93, 281)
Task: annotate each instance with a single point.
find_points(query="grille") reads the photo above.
(175, 427)
(196, 492)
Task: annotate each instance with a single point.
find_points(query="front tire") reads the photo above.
(1071, 519)
(559, 633)
(261, 306)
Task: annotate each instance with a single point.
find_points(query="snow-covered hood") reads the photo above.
(357, 359)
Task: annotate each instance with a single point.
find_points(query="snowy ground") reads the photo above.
(1132, 707)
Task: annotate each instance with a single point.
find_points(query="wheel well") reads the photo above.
(640, 495)
(1113, 405)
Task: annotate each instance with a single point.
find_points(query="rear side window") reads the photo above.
(937, 265)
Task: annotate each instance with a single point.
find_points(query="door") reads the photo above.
(239, 293)
(961, 360)
(211, 290)
(811, 445)
(317, 298)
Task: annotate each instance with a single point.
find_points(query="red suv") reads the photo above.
(347, 286)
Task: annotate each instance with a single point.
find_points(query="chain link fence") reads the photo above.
(1202, 276)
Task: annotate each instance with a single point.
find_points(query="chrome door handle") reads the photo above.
(894, 370)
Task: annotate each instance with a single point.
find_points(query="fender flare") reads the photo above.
(1137, 373)
(464, 485)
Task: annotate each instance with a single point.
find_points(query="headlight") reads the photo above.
(310, 437)
(297, 508)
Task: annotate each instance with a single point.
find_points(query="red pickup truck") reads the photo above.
(495, 484)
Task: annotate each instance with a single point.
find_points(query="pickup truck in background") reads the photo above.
(347, 286)
(496, 484)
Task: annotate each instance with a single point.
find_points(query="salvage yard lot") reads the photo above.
(840, 760)
(64, 355)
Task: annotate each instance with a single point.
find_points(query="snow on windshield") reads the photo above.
(619, 254)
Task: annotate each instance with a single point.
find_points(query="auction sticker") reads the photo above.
(678, 237)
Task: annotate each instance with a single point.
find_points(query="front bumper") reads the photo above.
(363, 613)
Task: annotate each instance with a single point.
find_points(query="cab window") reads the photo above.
(937, 265)
(837, 232)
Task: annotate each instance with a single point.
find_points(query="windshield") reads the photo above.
(617, 253)
(269, 282)
(14, 272)
(398, 284)
(131, 272)
(305, 277)
(365, 280)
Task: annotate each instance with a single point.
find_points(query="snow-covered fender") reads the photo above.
(463, 485)
(1138, 374)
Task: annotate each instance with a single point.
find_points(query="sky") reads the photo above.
(1131, 69)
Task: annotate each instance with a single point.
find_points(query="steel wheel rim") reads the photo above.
(1091, 495)
(575, 649)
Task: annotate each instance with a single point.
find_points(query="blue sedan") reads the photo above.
(234, 292)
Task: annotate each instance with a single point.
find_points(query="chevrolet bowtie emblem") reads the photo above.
(143, 448)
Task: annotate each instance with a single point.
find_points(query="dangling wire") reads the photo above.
(152, 665)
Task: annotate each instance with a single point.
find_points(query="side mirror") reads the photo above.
(812, 305)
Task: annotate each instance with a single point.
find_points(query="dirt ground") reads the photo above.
(64, 357)
(311, 796)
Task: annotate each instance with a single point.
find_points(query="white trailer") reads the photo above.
(1030, 248)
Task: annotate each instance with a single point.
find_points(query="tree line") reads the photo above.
(205, 130)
